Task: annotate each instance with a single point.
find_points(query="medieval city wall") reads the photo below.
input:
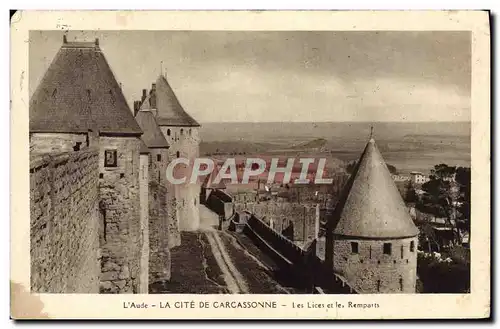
(55, 142)
(144, 223)
(280, 215)
(184, 142)
(64, 231)
(159, 160)
(159, 250)
(303, 264)
(220, 203)
(120, 216)
(372, 271)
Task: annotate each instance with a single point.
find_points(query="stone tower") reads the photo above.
(371, 239)
(164, 232)
(80, 104)
(181, 132)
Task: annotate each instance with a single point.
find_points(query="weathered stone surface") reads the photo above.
(184, 142)
(64, 215)
(109, 276)
(124, 274)
(144, 226)
(120, 208)
(159, 264)
(371, 270)
(280, 215)
(121, 284)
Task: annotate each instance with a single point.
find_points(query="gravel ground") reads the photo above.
(194, 270)
(257, 269)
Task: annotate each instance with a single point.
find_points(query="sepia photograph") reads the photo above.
(251, 162)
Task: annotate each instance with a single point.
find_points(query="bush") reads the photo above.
(440, 275)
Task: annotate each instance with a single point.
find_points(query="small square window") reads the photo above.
(387, 248)
(110, 158)
(354, 247)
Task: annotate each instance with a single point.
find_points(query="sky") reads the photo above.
(298, 76)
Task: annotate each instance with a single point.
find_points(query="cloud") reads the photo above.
(291, 76)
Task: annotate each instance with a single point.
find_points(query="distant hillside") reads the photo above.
(314, 144)
(233, 147)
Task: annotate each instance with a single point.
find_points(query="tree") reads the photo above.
(443, 171)
(410, 195)
(392, 169)
(438, 197)
(463, 179)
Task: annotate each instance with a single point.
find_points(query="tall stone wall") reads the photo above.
(373, 271)
(64, 222)
(184, 142)
(158, 163)
(144, 219)
(280, 215)
(120, 216)
(159, 268)
(56, 142)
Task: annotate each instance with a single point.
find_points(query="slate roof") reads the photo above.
(169, 110)
(143, 149)
(79, 93)
(371, 205)
(153, 137)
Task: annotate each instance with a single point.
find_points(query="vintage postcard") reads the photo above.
(250, 165)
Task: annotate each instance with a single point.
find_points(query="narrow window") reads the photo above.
(378, 285)
(178, 154)
(370, 252)
(158, 157)
(77, 146)
(159, 179)
(195, 201)
(401, 284)
(402, 250)
(412, 246)
(168, 132)
(182, 131)
(110, 158)
(387, 248)
(189, 132)
(101, 175)
(354, 247)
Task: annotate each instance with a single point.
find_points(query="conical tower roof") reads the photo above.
(371, 205)
(79, 93)
(153, 137)
(169, 110)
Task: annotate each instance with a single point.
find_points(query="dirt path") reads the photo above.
(235, 282)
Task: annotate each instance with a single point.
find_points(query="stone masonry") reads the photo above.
(120, 216)
(64, 228)
(159, 265)
(280, 215)
(370, 270)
